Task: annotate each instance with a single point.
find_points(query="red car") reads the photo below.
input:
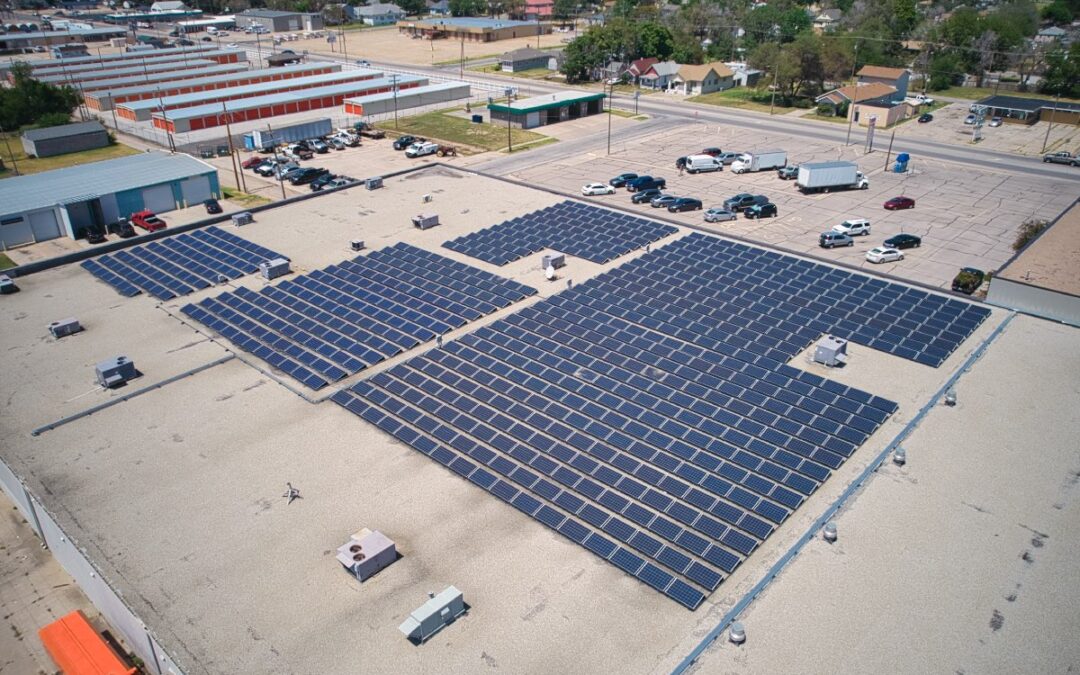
(148, 221)
(899, 203)
(711, 152)
(252, 162)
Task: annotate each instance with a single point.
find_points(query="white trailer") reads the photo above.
(826, 176)
(760, 161)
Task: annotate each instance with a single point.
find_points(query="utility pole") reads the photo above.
(393, 79)
(232, 151)
(112, 106)
(509, 144)
(611, 97)
(277, 164)
(461, 59)
(851, 104)
(1050, 122)
(14, 164)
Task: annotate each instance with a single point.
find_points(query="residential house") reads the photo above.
(438, 7)
(638, 68)
(536, 10)
(897, 78)
(827, 20)
(1051, 34)
(528, 58)
(378, 14)
(703, 79)
(658, 75)
(854, 93)
(168, 6)
(745, 76)
(884, 111)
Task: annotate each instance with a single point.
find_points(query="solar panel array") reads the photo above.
(572, 228)
(649, 414)
(181, 264)
(332, 323)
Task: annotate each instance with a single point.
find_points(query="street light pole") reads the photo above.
(1050, 122)
(851, 104)
(611, 96)
(393, 79)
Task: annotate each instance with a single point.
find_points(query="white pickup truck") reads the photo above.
(919, 99)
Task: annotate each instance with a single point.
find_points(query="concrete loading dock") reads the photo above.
(375, 104)
(140, 111)
(540, 111)
(143, 59)
(113, 92)
(260, 107)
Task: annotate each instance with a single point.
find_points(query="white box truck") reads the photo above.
(827, 176)
(759, 161)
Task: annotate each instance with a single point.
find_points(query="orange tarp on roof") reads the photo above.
(78, 649)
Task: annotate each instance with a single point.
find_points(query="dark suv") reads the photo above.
(306, 175)
(744, 200)
(405, 141)
(645, 182)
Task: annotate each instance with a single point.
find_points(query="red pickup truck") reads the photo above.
(148, 221)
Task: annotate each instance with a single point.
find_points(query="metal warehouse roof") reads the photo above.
(121, 57)
(269, 14)
(63, 131)
(121, 72)
(86, 32)
(284, 97)
(247, 90)
(426, 89)
(139, 87)
(1027, 104)
(545, 102)
(474, 22)
(147, 58)
(42, 190)
(115, 85)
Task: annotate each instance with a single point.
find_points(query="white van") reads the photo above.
(211, 30)
(700, 163)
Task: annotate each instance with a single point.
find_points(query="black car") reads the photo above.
(684, 204)
(744, 200)
(644, 182)
(123, 229)
(968, 280)
(645, 196)
(306, 175)
(903, 241)
(926, 117)
(212, 206)
(622, 179)
(403, 142)
(320, 182)
(767, 210)
(95, 235)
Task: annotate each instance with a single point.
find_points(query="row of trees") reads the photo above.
(31, 103)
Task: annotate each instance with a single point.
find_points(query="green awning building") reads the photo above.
(547, 109)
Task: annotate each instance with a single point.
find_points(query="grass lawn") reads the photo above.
(976, 93)
(740, 97)
(453, 130)
(243, 198)
(532, 74)
(5, 262)
(627, 114)
(836, 119)
(27, 165)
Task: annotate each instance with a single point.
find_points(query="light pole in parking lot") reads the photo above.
(851, 111)
(611, 96)
(393, 80)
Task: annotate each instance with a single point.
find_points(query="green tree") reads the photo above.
(792, 22)
(582, 57)
(467, 7)
(945, 68)
(564, 9)
(412, 7)
(28, 100)
(1057, 12)
(688, 51)
(654, 40)
(1062, 76)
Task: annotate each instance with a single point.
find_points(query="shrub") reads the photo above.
(1029, 229)
(826, 110)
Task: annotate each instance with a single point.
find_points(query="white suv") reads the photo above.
(853, 226)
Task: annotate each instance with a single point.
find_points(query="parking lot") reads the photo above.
(965, 217)
(948, 126)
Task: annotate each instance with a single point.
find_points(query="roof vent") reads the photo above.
(899, 457)
(829, 532)
(950, 397)
(64, 327)
(357, 244)
(737, 633)
(831, 351)
(366, 553)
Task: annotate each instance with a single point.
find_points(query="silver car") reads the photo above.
(718, 215)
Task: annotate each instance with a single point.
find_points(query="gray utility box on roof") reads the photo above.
(64, 327)
(434, 615)
(366, 553)
(357, 244)
(831, 350)
(272, 269)
(426, 221)
(242, 218)
(555, 260)
(115, 371)
(373, 183)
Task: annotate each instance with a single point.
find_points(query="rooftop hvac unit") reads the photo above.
(366, 553)
(426, 221)
(115, 371)
(357, 244)
(272, 269)
(437, 613)
(373, 183)
(7, 285)
(554, 260)
(64, 327)
(831, 350)
(242, 218)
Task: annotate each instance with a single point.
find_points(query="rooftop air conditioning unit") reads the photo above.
(366, 553)
(115, 371)
(437, 613)
(64, 327)
(373, 183)
(831, 351)
(554, 260)
(272, 269)
(242, 218)
(357, 244)
(426, 221)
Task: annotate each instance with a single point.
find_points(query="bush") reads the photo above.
(54, 119)
(1029, 229)
(826, 110)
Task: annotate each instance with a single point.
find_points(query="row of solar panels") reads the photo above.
(573, 228)
(335, 322)
(179, 265)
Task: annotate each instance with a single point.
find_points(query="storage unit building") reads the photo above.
(67, 201)
(376, 104)
(472, 29)
(19, 41)
(260, 107)
(140, 59)
(64, 139)
(119, 58)
(539, 111)
(96, 94)
(84, 80)
(140, 111)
